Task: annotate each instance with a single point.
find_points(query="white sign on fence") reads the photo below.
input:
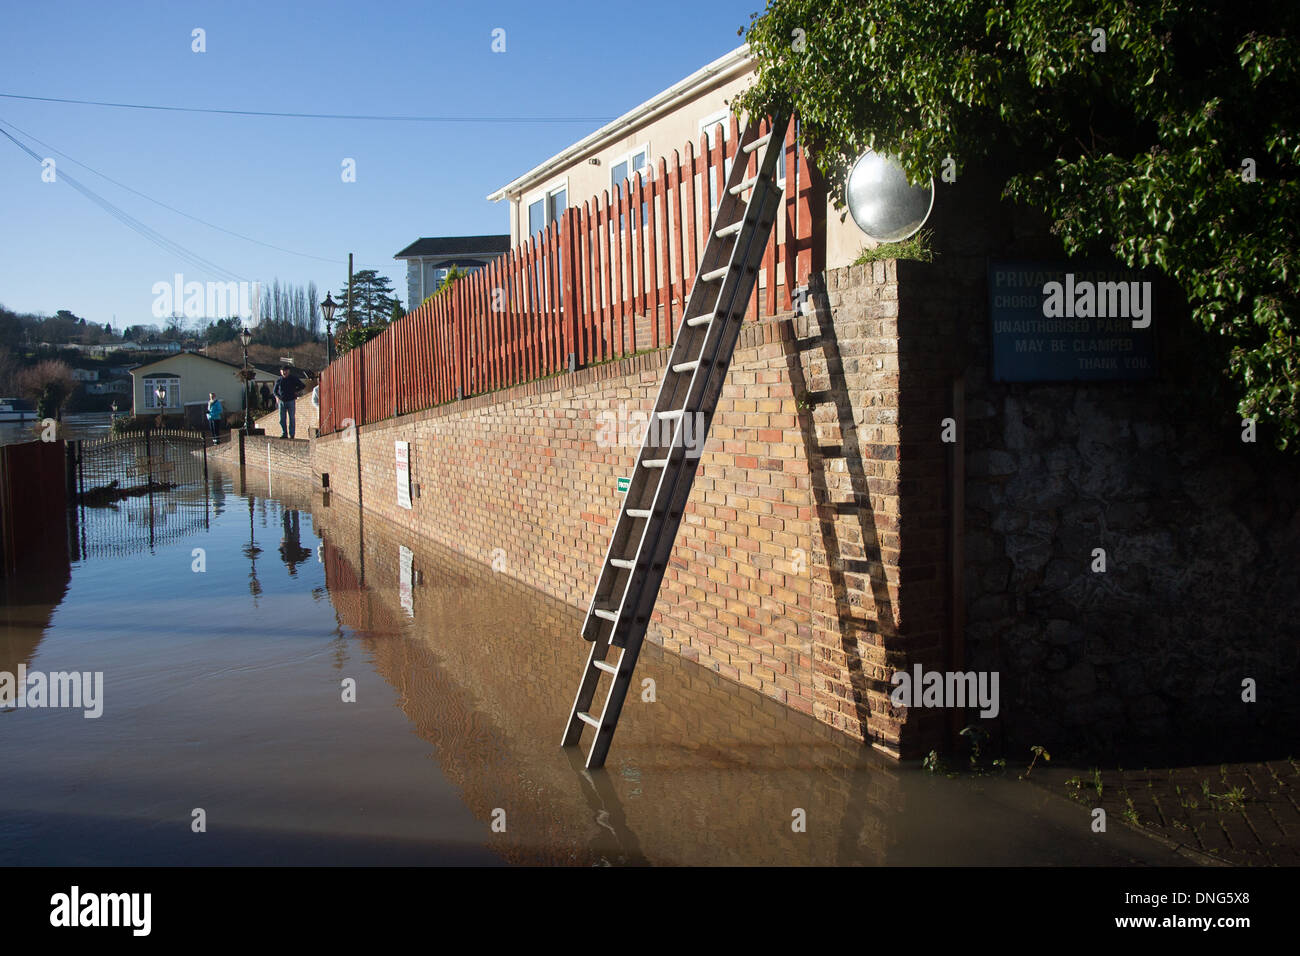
(403, 474)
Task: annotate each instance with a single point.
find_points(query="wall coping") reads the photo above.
(775, 328)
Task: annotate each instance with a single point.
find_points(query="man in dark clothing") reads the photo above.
(266, 396)
(286, 391)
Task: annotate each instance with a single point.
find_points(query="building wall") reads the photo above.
(1143, 661)
(665, 135)
(422, 274)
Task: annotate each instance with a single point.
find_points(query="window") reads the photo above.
(162, 391)
(709, 126)
(547, 208)
(623, 168)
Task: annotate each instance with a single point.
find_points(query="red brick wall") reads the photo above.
(784, 576)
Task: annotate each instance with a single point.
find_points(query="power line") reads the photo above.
(164, 205)
(134, 224)
(330, 116)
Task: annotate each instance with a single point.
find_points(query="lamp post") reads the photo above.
(245, 337)
(327, 307)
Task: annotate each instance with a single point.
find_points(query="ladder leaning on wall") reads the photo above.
(665, 468)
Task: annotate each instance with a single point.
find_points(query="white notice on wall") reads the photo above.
(403, 474)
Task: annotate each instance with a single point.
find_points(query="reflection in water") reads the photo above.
(292, 552)
(226, 695)
(708, 773)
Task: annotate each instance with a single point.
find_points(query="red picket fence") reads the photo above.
(610, 278)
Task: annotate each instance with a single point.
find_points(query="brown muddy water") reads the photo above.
(223, 692)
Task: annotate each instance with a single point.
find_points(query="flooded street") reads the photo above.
(73, 425)
(223, 691)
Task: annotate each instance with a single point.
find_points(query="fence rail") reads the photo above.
(608, 279)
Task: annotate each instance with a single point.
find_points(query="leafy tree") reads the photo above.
(222, 330)
(348, 337)
(372, 298)
(12, 327)
(1164, 134)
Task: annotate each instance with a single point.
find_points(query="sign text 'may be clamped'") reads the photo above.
(1064, 322)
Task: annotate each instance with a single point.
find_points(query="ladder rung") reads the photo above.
(687, 366)
(638, 512)
(605, 666)
(672, 416)
(731, 230)
(586, 718)
(655, 462)
(739, 188)
(700, 319)
(607, 615)
(622, 563)
(714, 275)
(758, 143)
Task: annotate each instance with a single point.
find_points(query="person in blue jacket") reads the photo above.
(215, 411)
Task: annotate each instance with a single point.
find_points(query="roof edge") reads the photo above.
(723, 68)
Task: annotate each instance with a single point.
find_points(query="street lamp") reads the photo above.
(328, 307)
(245, 337)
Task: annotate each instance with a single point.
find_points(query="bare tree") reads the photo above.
(49, 384)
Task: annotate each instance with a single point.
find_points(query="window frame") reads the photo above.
(150, 386)
(646, 172)
(543, 195)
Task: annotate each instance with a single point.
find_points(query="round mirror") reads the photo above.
(881, 200)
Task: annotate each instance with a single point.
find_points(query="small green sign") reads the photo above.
(624, 484)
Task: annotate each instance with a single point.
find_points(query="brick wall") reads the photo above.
(784, 576)
(260, 451)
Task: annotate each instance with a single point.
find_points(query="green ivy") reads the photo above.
(350, 337)
(1136, 152)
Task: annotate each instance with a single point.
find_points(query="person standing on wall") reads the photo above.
(215, 411)
(286, 392)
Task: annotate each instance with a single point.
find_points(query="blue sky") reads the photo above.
(278, 180)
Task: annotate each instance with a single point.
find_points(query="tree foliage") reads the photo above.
(1163, 133)
(372, 299)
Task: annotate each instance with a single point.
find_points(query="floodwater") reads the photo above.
(78, 425)
(228, 630)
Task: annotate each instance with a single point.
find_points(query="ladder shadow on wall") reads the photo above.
(846, 560)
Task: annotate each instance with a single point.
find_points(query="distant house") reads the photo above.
(428, 261)
(85, 374)
(169, 384)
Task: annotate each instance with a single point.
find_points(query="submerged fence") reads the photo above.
(608, 279)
